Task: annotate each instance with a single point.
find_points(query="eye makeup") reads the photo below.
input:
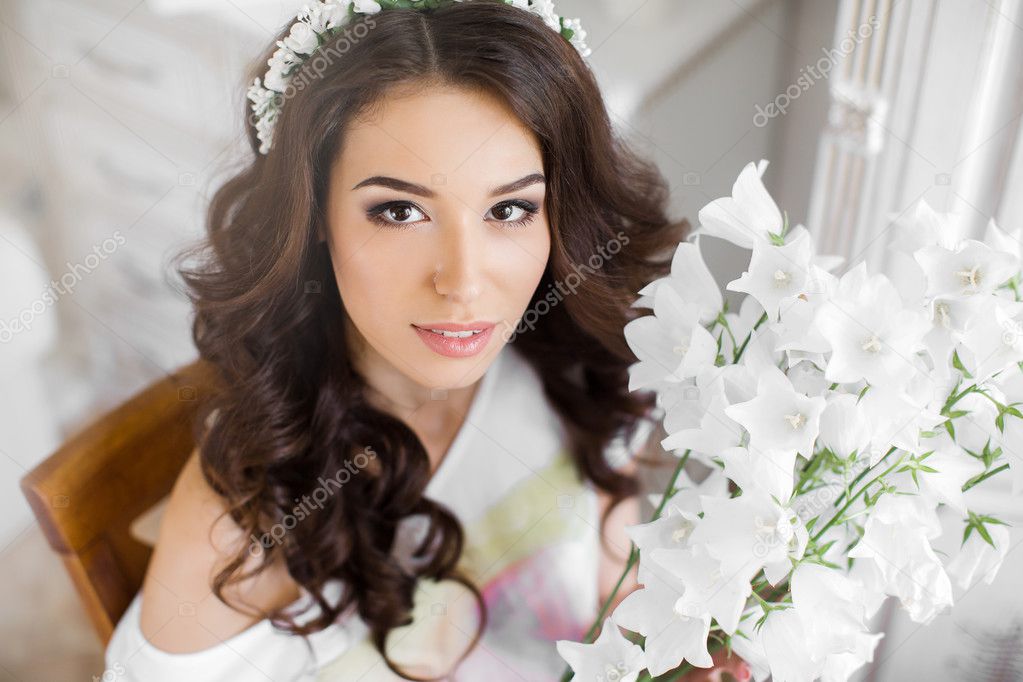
(378, 213)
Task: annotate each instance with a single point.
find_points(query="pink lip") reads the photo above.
(456, 348)
(453, 327)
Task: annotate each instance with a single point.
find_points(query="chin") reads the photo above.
(439, 372)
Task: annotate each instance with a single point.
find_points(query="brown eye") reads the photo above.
(397, 214)
(515, 213)
(400, 213)
(505, 212)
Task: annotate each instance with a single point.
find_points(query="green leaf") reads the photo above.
(977, 521)
(966, 533)
(984, 534)
(991, 519)
(958, 364)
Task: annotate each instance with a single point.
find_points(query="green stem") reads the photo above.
(633, 557)
(981, 477)
(956, 397)
(862, 474)
(633, 552)
(728, 328)
(742, 348)
(841, 511)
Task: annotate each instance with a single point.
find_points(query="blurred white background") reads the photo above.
(118, 118)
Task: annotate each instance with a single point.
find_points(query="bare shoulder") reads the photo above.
(180, 613)
(614, 547)
(614, 551)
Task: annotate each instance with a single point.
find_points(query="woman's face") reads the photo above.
(436, 215)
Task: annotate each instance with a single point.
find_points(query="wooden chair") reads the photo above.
(86, 494)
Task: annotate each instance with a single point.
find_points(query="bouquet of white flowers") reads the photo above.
(836, 414)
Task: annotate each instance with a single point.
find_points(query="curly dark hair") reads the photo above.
(291, 407)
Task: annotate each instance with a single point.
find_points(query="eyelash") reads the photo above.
(375, 214)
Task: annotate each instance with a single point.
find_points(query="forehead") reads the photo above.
(439, 136)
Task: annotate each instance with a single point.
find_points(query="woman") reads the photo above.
(384, 489)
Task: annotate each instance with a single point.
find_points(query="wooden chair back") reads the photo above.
(87, 493)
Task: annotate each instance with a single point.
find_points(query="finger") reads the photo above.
(739, 669)
(732, 664)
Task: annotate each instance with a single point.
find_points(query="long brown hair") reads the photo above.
(291, 409)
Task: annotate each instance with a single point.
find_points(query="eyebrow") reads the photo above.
(412, 188)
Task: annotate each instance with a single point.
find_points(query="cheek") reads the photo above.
(371, 277)
(524, 264)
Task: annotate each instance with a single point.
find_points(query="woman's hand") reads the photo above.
(733, 665)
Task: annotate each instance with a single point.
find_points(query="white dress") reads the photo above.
(531, 549)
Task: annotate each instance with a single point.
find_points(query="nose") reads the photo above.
(459, 265)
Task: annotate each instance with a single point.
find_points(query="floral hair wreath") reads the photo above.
(316, 23)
